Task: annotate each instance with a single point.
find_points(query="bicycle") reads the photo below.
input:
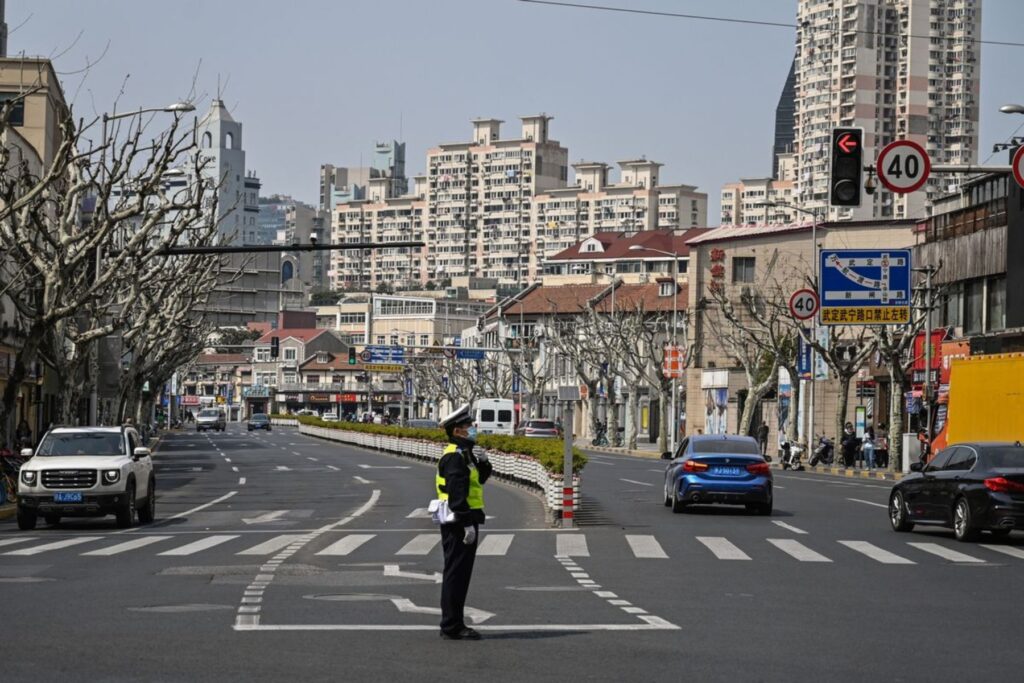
(602, 437)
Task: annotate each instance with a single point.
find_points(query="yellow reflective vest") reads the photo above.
(475, 498)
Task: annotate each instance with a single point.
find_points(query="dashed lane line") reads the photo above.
(788, 527)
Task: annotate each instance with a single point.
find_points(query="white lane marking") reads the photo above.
(658, 471)
(419, 513)
(283, 468)
(332, 467)
(723, 548)
(598, 462)
(634, 481)
(296, 453)
(395, 570)
(272, 545)
(646, 547)
(876, 553)
(201, 544)
(346, 545)
(234, 469)
(798, 550)
(386, 467)
(201, 507)
(361, 480)
(421, 545)
(947, 553)
(495, 545)
(12, 541)
(571, 545)
(652, 623)
(272, 516)
(788, 527)
(868, 502)
(126, 546)
(56, 545)
(241, 481)
(477, 616)
(227, 459)
(309, 457)
(1006, 550)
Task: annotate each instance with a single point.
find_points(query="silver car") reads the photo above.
(210, 418)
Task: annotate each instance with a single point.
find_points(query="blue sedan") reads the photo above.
(718, 468)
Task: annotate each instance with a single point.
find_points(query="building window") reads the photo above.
(17, 113)
(312, 379)
(974, 304)
(665, 289)
(290, 354)
(207, 140)
(321, 356)
(263, 355)
(424, 340)
(289, 378)
(743, 269)
(996, 314)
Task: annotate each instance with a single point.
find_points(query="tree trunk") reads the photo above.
(841, 408)
(792, 427)
(895, 419)
(23, 359)
(664, 407)
(633, 417)
(613, 414)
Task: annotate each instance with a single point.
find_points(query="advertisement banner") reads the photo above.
(803, 360)
(820, 366)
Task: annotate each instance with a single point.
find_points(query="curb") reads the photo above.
(654, 455)
(848, 473)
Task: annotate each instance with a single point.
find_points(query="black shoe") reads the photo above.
(463, 634)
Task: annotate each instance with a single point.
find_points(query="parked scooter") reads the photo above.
(791, 456)
(824, 453)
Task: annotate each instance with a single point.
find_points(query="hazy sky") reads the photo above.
(318, 82)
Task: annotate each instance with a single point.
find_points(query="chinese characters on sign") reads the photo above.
(674, 363)
(717, 257)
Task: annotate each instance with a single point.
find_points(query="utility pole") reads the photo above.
(926, 392)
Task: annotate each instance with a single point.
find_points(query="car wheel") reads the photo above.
(26, 519)
(667, 495)
(762, 508)
(963, 522)
(126, 513)
(147, 513)
(898, 516)
(1000, 533)
(677, 505)
(53, 520)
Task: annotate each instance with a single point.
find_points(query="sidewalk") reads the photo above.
(883, 475)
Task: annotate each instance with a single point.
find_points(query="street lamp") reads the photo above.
(176, 108)
(814, 319)
(1012, 108)
(675, 330)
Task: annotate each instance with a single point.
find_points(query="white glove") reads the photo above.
(470, 537)
(480, 454)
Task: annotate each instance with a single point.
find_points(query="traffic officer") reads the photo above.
(461, 474)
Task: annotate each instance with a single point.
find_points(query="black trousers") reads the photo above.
(458, 570)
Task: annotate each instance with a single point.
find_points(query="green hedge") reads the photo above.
(547, 451)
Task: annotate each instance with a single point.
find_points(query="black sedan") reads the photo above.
(969, 487)
(258, 421)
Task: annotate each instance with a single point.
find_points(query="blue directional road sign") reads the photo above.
(386, 354)
(865, 286)
(469, 354)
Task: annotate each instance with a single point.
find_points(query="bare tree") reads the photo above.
(70, 265)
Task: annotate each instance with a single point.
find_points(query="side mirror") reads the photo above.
(916, 467)
(26, 452)
(667, 455)
(140, 452)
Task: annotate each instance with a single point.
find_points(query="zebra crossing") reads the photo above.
(642, 547)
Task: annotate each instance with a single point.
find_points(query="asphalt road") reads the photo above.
(277, 556)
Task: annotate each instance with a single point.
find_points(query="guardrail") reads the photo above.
(511, 467)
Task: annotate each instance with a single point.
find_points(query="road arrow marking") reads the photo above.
(268, 517)
(417, 513)
(386, 467)
(394, 570)
(477, 616)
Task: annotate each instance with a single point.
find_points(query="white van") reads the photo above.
(495, 416)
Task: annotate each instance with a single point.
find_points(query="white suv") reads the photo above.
(87, 472)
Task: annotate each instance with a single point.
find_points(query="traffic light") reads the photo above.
(844, 183)
(275, 347)
(351, 355)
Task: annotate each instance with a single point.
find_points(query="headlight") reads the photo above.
(28, 477)
(111, 476)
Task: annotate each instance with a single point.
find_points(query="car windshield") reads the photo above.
(258, 418)
(736, 446)
(1005, 456)
(82, 443)
(541, 424)
(208, 413)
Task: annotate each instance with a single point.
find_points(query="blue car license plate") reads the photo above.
(727, 471)
(68, 497)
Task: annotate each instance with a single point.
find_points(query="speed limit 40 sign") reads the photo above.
(903, 166)
(803, 304)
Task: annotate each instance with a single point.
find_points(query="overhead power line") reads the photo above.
(733, 20)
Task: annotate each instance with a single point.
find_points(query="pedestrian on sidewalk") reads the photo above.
(849, 445)
(762, 438)
(882, 447)
(23, 435)
(868, 448)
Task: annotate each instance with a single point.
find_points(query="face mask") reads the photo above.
(471, 434)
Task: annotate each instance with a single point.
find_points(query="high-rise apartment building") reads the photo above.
(897, 68)
(496, 208)
(784, 120)
(350, 183)
(758, 201)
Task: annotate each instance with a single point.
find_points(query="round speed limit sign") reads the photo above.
(803, 304)
(903, 166)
